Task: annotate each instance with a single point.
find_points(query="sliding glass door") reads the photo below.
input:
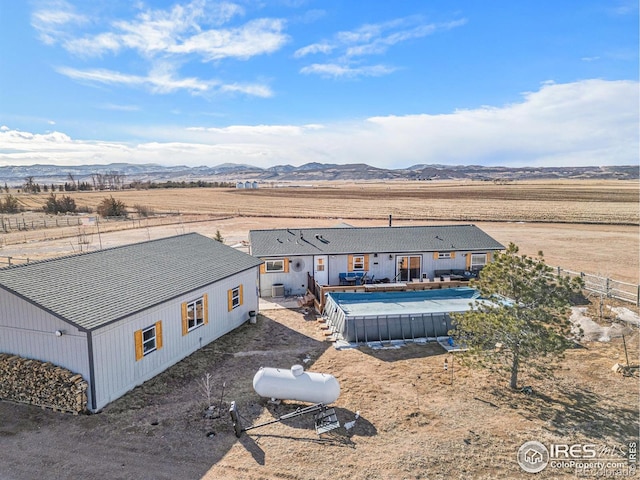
(409, 268)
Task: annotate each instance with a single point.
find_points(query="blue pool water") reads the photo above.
(380, 316)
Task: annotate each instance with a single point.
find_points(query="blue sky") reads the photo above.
(271, 82)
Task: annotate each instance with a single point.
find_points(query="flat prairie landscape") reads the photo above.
(585, 226)
(414, 420)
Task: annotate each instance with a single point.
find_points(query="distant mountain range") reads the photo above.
(310, 172)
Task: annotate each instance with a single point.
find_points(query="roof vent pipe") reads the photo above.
(390, 218)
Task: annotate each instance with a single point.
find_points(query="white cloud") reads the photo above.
(53, 20)
(119, 108)
(592, 122)
(184, 30)
(161, 80)
(336, 70)
(370, 39)
(256, 37)
(165, 39)
(323, 47)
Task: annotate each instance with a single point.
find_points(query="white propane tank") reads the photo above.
(296, 384)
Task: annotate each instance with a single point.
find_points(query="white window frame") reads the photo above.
(149, 343)
(473, 265)
(274, 266)
(197, 321)
(235, 297)
(444, 255)
(357, 264)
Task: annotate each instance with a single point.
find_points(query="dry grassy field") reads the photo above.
(583, 226)
(416, 421)
(604, 202)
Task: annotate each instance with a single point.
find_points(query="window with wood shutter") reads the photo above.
(234, 298)
(274, 266)
(148, 340)
(195, 314)
(357, 263)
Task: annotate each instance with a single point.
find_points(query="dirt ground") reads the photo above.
(416, 421)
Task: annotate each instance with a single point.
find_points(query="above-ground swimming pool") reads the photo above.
(381, 316)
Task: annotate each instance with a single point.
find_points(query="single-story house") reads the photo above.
(345, 254)
(122, 315)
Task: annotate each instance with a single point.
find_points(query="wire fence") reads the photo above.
(20, 223)
(605, 286)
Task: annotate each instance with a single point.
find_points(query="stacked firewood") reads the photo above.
(41, 383)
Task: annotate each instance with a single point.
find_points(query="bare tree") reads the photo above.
(72, 180)
(29, 185)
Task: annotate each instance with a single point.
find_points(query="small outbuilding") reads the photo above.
(122, 315)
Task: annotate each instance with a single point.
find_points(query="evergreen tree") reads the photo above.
(522, 317)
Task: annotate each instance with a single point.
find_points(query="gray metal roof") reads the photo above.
(93, 289)
(318, 241)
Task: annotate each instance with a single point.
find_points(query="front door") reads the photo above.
(321, 270)
(408, 268)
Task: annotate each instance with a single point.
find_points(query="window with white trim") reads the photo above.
(272, 266)
(235, 297)
(478, 261)
(358, 262)
(149, 340)
(195, 314)
(444, 255)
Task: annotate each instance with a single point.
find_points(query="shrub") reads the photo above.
(143, 211)
(64, 205)
(10, 205)
(110, 207)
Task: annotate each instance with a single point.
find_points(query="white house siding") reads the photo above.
(117, 370)
(29, 332)
(430, 265)
(295, 282)
(381, 266)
